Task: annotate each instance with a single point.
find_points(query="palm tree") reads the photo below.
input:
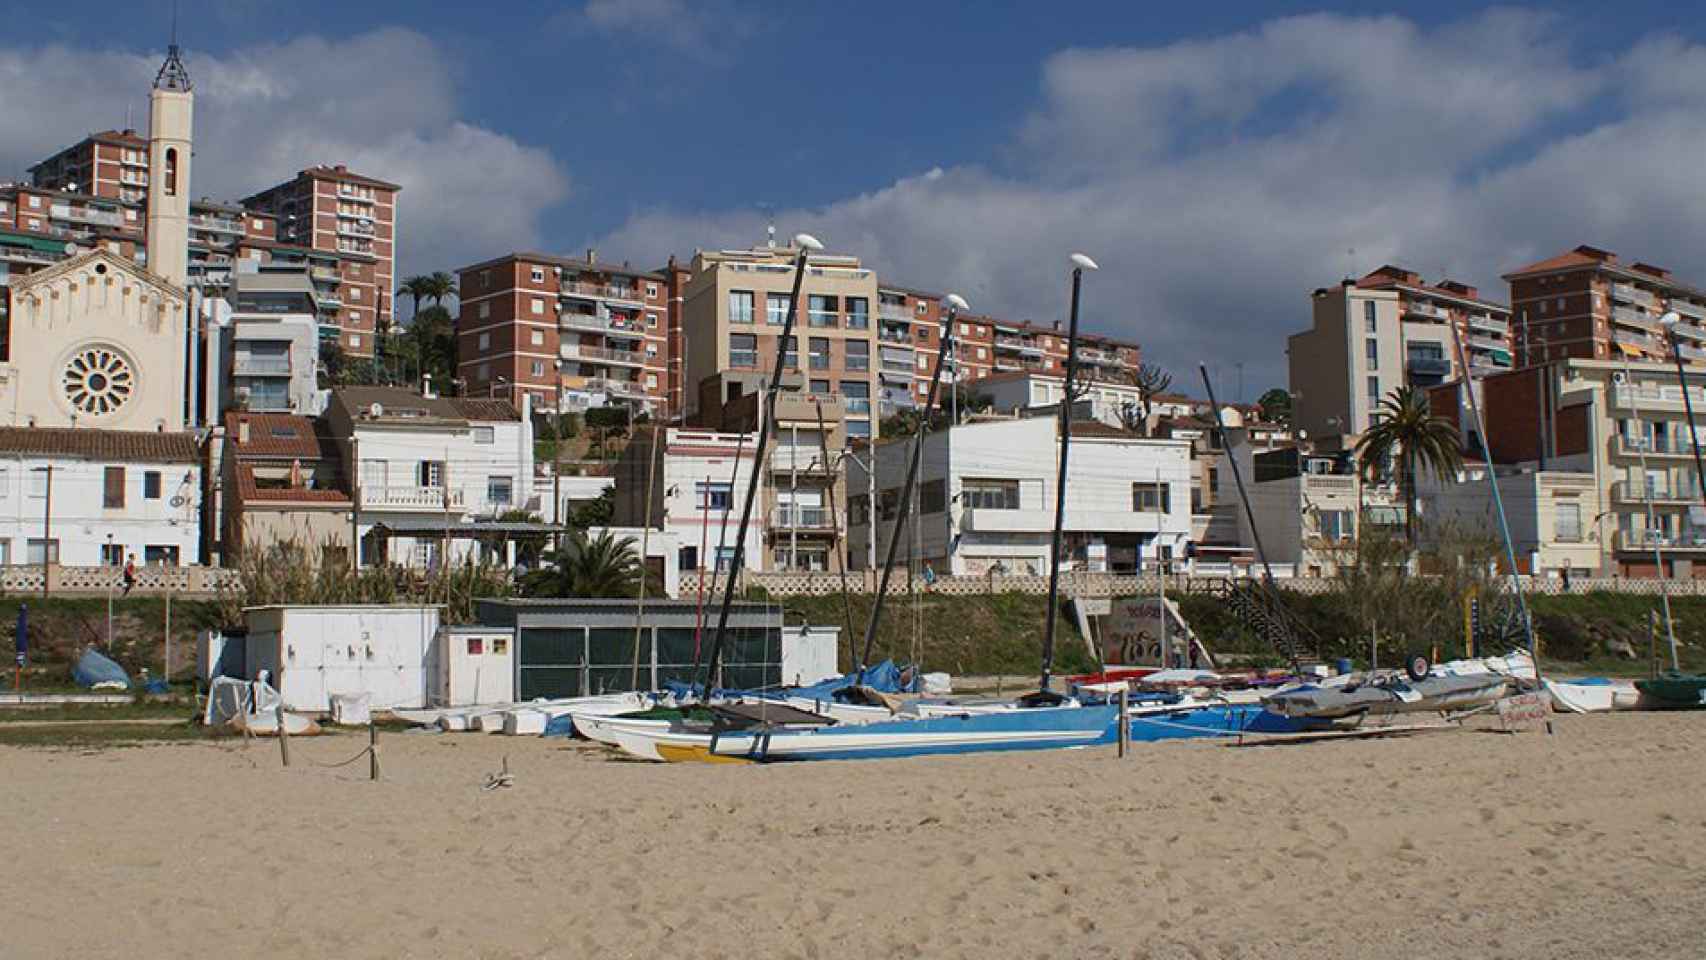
(1408, 435)
(597, 566)
(416, 288)
(438, 286)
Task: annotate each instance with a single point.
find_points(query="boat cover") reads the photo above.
(885, 677)
(94, 669)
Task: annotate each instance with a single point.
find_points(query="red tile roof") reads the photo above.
(248, 490)
(1583, 256)
(478, 408)
(124, 446)
(277, 435)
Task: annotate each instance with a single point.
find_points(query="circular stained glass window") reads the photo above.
(98, 381)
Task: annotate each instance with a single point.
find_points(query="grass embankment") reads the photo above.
(61, 626)
(963, 635)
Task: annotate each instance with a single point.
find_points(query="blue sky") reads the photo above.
(1219, 159)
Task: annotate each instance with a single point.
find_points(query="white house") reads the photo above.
(84, 497)
(986, 497)
(433, 472)
(698, 485)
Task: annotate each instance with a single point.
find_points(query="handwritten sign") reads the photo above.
(1523, 711)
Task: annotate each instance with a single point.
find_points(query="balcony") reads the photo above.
(1483, 321)
(27, 255)
(895, 312)
(1690, 352)
(584, 354)
(104, 218)
(243, 365)
(807, 458)
(1428, 311)
(788, 517)
(1625, 492)
(901, 338)
(1692, 331)
(324, 274)
(1640, 341)
(858, 321)
(859, 406)
(217, 224)
(601, 322)
(410, 498)
(601, 292)
(354, 228)
(1635, 318)
(822, 318)
(1667, 398)
(1628, 293)
(603, 385)
(1428, 365)
(1636, 447)
(892, 372)
(1688, 309)
(1644, 541)
(347, 192)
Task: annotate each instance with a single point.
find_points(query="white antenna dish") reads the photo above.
(376, 409)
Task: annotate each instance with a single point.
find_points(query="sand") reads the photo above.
(1588, 843)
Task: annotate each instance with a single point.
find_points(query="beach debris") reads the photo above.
(503, 778)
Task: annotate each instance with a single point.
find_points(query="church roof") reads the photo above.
(122, 446)
(94, 260)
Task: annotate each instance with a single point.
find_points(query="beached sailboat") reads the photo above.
(1673, 690)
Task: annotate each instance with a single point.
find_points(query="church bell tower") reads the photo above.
(171, 108)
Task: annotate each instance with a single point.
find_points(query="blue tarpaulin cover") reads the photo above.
(93, 667)
(885, 677)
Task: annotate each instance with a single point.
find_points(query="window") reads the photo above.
(430, 473)
(485, 435)
(1559, 304)
(485, 309)
(858, 313)
(743, 350)
(35, 203)
(990, 494)
(888, 503)
(500, 489)
(965, 328)
(112, 495)
(485, 341)
(820, 353)
(1543, 308)
(821, 310)
(858, 355)
(651, 381)
(171, 171)
(538, 338)
(112, 554)
(1151, 498)
(537, 306)
(860, 428)
(651, 321)
(859, 509)
(687, 558)
(933, 496)
(740, 306)
(921, 308)
(355, 293)
(818, 387)
(858, 396)
(1335, 525)
(5, 480)
(38, 551)
(1372, 348)
(538, 368)
(923, 334)
(713, 496)
(982, 354)
(791, 353)
(1368, 319)
(1373, 390)
(651, 291)
(151, 485)
(160, 555)
(776, 308)
(923, 362)
(538, 274)
(1567, 521)
(355, 341)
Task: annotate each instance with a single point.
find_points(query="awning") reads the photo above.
(1628, 349)
(44, 244)
(1503, 356)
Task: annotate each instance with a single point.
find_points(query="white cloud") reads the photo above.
(384, 102)
(705, 29)
(1219, 181)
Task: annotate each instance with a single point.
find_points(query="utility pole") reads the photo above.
(46, 529)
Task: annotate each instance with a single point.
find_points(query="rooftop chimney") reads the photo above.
(426, 386)
(242, 429)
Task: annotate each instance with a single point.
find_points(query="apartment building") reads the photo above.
(1549, 514)
(986, 496)
(1624, 424)
(734, 306)
(1386, 330)
(268, 340)
(676, 276)
(221, 236)
(110, 165)
(1586, 303)
(333, 210)
(909, 330)
(804, 496)
(39, 226)
(569, 334)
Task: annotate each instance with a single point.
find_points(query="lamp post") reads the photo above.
(110, 559)
(1669, 322)
(1080, 263)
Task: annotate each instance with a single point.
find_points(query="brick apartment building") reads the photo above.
(345, 224)
(572, 333)
(1585, 303)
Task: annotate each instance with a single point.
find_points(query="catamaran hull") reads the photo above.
(1434, 694)
(1049, 728)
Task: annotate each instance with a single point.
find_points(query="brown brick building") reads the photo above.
(1586, 303)
(573, 333)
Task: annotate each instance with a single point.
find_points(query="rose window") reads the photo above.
(98, 381)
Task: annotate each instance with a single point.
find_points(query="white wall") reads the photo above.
(81, 523)
(693, 457)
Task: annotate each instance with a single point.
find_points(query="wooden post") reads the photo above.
(168, 654)
(372, 749)
(1653, 643)
(1125, 720)
(283, 735)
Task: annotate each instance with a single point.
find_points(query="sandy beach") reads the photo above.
(1588, 843)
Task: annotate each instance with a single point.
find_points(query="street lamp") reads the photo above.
(1669, 322)
(956, 305)
(1080, 263)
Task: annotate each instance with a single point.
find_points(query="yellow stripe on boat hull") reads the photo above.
(694, 754)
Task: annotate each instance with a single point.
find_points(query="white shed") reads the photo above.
(808, 654)
(315, 652)
(473, 665)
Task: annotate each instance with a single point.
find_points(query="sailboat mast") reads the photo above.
(806, 244)
(1080, 263)
(955, 305)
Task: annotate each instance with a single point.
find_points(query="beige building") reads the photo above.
(1549, 514)
(732, 312)
(282, 480)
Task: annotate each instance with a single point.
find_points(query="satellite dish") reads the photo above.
(70, 249)
(1617, 376)
(376, 409)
